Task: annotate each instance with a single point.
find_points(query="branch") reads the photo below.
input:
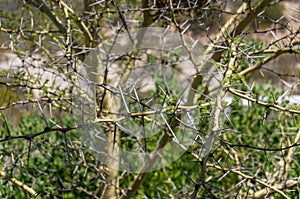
(45, 9)
(216, 125)
(48, 100)
(276, 54)
(263, 149)
(19, 184)
(235, 19)
(32, 136)
(78, 20)
(264, 192)
(147, 17)
(268, 105)
(41, 5)
(38, 32)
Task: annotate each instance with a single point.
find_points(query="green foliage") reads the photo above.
(43, 163)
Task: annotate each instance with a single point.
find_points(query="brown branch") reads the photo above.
(147, 17)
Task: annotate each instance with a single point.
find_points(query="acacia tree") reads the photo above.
(92, 60)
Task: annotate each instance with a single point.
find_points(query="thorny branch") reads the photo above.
(222, 43)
